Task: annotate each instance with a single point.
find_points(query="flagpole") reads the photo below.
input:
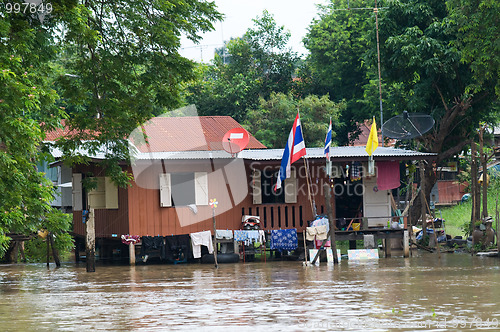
(311, 198)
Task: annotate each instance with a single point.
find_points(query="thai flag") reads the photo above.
(294, 149)
(328, 140)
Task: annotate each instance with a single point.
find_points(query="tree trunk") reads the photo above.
(429, 179)
(473, 184)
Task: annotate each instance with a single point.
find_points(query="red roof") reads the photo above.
(365, 132)
(64, 131)
(192, 133)
(171, 134)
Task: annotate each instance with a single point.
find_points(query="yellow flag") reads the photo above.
(372, 143)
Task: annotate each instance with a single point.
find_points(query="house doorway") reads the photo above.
(348, 192)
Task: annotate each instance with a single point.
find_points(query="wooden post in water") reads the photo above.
(423, 200)
(90, 241)
(331, 231)
(213, 204)
(497, 215)
(215, 239)
(305, 247)
(406, 244)
(131, 252)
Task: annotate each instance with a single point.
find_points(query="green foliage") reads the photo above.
(124, 66)
(458, 217)
(58, 225)
(27, 108)
(419, 54)
(342, 62)
(477, 38)
(272, 120)
(247, 69)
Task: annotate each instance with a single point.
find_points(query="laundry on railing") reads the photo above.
(240, 236)
(201, 239)
(249, 236)
(177, 248)
(224, 234)
(152, 246)
(284, 239)
(316, 233)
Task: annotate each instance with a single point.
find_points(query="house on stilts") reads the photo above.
(179, 165)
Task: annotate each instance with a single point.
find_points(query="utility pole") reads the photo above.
(375, 9)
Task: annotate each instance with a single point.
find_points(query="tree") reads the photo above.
(419, 55)
(116, 65)
(270, 123)
(125, 68)
(27, 109)
(341, 64)
(477, 38)
(251, 67)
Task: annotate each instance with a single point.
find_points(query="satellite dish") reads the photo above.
(235, 140)
(407, 125)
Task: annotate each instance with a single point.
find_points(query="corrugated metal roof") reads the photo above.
(191, 133)
(343, 152)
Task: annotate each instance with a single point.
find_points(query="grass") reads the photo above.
(457, 216)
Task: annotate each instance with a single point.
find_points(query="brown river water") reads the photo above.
(456, 293)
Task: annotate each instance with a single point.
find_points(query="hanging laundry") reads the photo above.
(201, 239)
(284, 239)
(388, 175)
(321, 222)
(262, 236)
(177, 248)
(240, 236)
(152, 246)
(318, 233)
(252, 236)
(224, 234)
(356, 171)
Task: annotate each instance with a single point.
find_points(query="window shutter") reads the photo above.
(201, 188)
(291, 188)
(77, 192)
(111, 194)
(165, 190)
(97, 196)
(256, 187)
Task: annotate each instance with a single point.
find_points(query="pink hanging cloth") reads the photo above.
(388, 175)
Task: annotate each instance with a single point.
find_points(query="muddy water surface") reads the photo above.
(459, 292)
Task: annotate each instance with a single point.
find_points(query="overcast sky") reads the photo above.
(295, 15)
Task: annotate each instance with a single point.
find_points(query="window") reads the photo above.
(182, 189)
(264, 182)
(105, 196)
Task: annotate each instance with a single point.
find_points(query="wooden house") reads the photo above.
(180, 166)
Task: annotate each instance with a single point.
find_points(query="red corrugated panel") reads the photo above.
(190, 134)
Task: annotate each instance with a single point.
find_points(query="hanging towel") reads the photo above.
(262, 236)
(310, 233)
(284, 239)
(240, 235)
(201, 239)
(356, 171)
(388, 175)
(221, 234)
(319, 232)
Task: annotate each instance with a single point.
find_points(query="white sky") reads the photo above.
(295, 15)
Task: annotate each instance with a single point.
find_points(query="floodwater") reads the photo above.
(458, 292)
